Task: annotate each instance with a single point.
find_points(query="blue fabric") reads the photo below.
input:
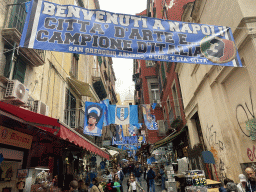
(151, 174)
(137, 172)
(222, 189)
(129, 118)
(106, 115)
(151, 183)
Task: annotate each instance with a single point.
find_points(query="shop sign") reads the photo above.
(15, 138)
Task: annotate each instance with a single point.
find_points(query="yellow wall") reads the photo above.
(218, 93)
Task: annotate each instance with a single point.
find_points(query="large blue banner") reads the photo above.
(93, 120)
(73, 29)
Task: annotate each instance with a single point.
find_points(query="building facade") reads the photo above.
(157, 82)
(219, 101)
(47, 85)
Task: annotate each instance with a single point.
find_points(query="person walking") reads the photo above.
(137, 173)
(82, 187)
(94, 187)
(120, 174)
(151, 179)
(226, 181)
(145, 171)
(162, 173)
(73, 186)
(251, 184)
(241, 186)
(117, 184)
(134, 186)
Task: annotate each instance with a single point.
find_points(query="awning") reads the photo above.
(50, 125)
(168, 139)
(113, 152)
(82, 87)
(122, 151)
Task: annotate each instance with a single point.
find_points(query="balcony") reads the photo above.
(95, 74)
(100, 89)
(74, 118)
(13, 26)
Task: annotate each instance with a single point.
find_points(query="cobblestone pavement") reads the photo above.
(143, 183)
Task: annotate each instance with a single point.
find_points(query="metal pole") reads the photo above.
(12, 62)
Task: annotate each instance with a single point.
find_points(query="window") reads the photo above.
(155, 92)
(170, 111)
(165, 118)
(163, 73)
(176, 101)
(74, 65)
(70, 111)
(18, 15)
(19, 68)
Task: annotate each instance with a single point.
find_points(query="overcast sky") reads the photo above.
(123, 67)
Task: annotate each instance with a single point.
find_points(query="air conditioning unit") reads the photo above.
(16, 93)
(40, 107)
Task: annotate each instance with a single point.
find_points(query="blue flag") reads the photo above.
(123, 115)
(149, 119)
(94, 116)
(118, 138)
(106, 116)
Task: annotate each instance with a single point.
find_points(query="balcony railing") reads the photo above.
(13, 26)
(74, 118)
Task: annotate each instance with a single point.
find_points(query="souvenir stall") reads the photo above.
(14, 147)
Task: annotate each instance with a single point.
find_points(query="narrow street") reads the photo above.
(143, 183)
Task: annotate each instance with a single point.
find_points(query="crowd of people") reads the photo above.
(112, 181)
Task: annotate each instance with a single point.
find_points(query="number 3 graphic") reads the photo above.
(216, 49)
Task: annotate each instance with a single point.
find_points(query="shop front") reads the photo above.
(14, 147)
(38, 151)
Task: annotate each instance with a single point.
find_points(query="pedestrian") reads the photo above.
(94, 187)
(151, 179)
(129, 180)
(145, 171)
(121, 177)
(224, 188)
(147, 178)
(117, 184)
(162, 174)
(241, 186)
(109, 176)
(82, 187)
(231, 187)
(73, 186)
(134, 186)
(137, 173)
(251, 184)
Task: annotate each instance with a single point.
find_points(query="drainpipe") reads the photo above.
(12, 62)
